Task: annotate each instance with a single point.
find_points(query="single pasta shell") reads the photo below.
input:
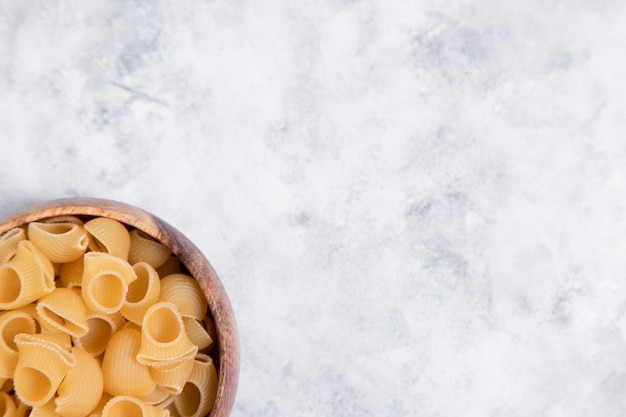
(163, 337)
(144, 248)
(7, 405)
(172, 377)
(184, 292)
(41, 367)
(71, 274)
(123, 374)
(46, 410)
(198, 394)
(101, 327)
(196, 333)
(60, 242)
(157, 396)
(63, 310)
(105, 281)
(142, 293)
(124, 405)
(8, 243)
(12, 323)
(81, 390)
(108, 235)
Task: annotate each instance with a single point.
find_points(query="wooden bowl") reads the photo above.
(227, 363)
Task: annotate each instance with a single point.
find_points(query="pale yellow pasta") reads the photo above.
(12, 323)
(62, 340)
(7, 405)
(8, 243)
(71, 274)
(199, 392)
(64, 219)
(156, 396)
(108, 235)
(124, 406)
(196, 333)
(41, 367)
(163, 337)
(185, 293)
(142, 293)
(123, 374)
(105, 281)
(143, 248)
(101, 327)
(209, 325)
(82, 388)
(46, 410)
(60, 242)
(97, 412)
(22, 409)
(63, 310)
(25, 278)
(171, 266)
(172, 377)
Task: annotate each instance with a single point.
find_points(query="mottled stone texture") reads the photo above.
(416, 207)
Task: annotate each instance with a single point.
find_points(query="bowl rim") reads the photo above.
(189, 255)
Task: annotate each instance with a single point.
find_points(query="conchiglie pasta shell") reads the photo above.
(123, 374)
(171, 266)
(142, 293)
(163, 337)
(97, 412)
(60, 242)
(108, 235)
(8, 243)
(46, 410)
(199, 392)
(7, 405)
(145, 249)
(12, 323)
(81, 390)
(25, 278)
(64, 311)
(172, 377)
(101, 329)
(196, 333)
(64, 219)
(184, 292)
(71, 274)
(105, 281)
(41, 366)
(123, 406)
(157, 396)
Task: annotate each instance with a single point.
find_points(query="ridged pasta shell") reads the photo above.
(163, 337)
(97, 412)
(12, 323)
(25, 278)
(172, 377)
(123, 374)
(184, 292)
(101, 328)
(200, 390)
(71, 274)
(157, 396)
(64, 311)
(144, 248)
(108, 235)
(105, 281)
(7, 405)
(171, 266)
(196, 333)
(123, 406)
(60, 242)
(142, 293)
(41, 366)
(46, 410)
(8, 243)
(81, 390)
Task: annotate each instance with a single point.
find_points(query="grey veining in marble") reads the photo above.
(417, 207)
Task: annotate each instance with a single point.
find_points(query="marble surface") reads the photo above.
(416, 207)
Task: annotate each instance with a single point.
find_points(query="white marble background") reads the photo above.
(417, 207)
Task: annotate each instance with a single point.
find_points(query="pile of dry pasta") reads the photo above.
(99, 319)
